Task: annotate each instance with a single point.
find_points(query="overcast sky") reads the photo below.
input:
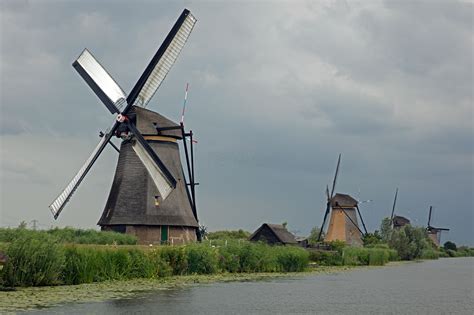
(277, 91)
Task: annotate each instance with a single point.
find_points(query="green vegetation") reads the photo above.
(33, 262)
(40, 259)
(450, 245)
(353, 256)
(69, 256)
(410, 242)
(313, 236)
(228, 235)
(450, 249)
(69, 235)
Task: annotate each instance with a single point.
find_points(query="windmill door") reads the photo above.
(164, 234)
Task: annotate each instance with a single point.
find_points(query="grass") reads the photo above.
(40, 259)
(69, 235)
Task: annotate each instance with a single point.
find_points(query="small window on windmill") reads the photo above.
(157, 201)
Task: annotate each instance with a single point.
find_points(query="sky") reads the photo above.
(277, 91)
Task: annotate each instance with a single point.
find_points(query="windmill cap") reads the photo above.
(343, 200)
(148, 120)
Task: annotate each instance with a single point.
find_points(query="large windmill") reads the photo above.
(149, 196)
(343, 224)
(434, 233)
(397, 221)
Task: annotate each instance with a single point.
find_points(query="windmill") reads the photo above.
(397, 221)
(150, 196)
(343, 221)
(434, 233)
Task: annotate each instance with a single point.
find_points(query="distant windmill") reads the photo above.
(434, 233)
(343, 221)
(397, 221)
(149, 196)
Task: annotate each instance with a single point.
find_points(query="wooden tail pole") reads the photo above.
(184, 103)
(393, 208)
(328, 208)
(429, 216)
(361, 219)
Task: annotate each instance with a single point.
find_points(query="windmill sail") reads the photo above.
(58, 204)
(162, 183)
(163, 60)
(114, 98)
(100, 81)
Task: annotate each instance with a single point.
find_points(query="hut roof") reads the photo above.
(280, 232)
(343, 200)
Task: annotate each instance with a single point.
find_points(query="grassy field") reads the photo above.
(42, 259)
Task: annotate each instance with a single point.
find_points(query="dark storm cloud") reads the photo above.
(277, 91)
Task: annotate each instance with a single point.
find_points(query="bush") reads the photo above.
(325, 257)
(202, 259)
(80, 266)
(44, 261)
(465, 251)
(229, 258)
(409, 242)
(450, 245)
(337, 245)
(356, 256)
(371, 239)
(175, 257)
(429, 254)
(70, 235)
(228, 235)
(292, 259)
(91, 264)
(33, 262)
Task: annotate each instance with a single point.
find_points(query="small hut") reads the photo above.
(273, 234)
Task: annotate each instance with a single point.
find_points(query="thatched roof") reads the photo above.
(133, 196)
(279, 231)
(343, 200)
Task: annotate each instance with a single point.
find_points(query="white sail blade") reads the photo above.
(59, 203)
(165, 63)
(100, 81)
(162, 184)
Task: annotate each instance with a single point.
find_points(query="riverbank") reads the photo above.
(29, 298)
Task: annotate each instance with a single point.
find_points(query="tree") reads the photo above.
(450, 245)
(372, 238)
(313, 236)
(386, 229)
(409, 241)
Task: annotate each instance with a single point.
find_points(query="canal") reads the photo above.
(444, 286)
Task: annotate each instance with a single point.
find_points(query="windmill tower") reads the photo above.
(434, 233)
(397, 220)
(343, 223)
(150, 196)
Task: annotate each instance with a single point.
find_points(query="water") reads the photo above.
(444, 286)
